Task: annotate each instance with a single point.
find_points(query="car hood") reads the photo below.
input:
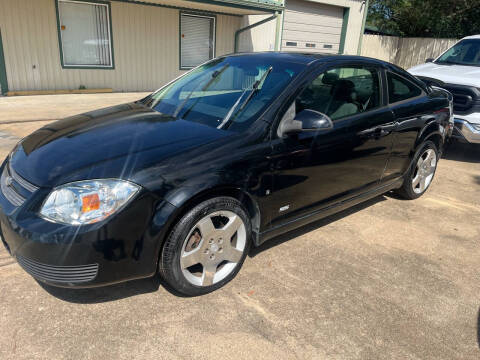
(450, 74)
(115, 142)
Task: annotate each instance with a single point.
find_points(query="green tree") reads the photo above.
(426, 18)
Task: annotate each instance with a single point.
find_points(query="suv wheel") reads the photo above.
(207, 247)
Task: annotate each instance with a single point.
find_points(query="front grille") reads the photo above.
(59, 274)
(21, 181)
(466, 99)
(15, 188)
(8, 191)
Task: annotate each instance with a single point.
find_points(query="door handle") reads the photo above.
(379, 131)
(373, 133)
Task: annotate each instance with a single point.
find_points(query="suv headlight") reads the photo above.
(87, 202)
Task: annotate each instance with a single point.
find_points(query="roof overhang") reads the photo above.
(231, 7)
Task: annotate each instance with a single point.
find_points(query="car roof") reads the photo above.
(310, 58)
(307, 58)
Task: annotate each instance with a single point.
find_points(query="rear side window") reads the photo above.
(400, 89)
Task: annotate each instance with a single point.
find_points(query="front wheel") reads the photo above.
(421, 172)
(207, 247)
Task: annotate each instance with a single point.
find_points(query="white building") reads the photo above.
(126, 45)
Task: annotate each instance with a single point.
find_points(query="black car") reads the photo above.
(233, 153)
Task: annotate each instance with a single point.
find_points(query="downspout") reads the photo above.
(279, 31)
(239, 31)
(360, 41)
(3, 70)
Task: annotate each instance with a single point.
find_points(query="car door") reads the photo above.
(410, 104)
(313, 170)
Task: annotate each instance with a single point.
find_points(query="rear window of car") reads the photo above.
(400, 89)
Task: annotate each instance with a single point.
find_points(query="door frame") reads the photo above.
(346, 123)
(3, 69)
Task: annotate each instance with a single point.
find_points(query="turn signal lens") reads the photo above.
(90, 203)
(87, 202)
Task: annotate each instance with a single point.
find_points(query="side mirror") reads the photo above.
(429, 60)
(308, 120)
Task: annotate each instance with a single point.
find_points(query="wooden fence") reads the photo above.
(404, 52)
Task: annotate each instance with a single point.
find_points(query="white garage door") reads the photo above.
(312, 27)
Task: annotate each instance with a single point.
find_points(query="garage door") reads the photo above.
(312, 27)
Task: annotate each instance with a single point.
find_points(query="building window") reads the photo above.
(85, 34)
(197, 39)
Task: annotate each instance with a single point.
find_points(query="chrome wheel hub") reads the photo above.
(213, 248)
(424, 171)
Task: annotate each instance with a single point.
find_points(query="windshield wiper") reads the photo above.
(215, 74)
(253, 91)
(255, 88)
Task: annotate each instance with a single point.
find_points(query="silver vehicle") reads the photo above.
(458, 71)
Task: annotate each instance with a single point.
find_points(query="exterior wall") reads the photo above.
(404, 52)
(260, 38)
(145, 46)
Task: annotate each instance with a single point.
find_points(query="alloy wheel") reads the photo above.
(424, 171)
(213, 248)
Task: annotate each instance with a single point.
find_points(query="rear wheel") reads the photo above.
(421, 173)
(207, 247)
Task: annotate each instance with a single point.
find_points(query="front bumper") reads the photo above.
(466, 131)
(124, 247)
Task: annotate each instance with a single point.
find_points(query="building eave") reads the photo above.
(233, 7)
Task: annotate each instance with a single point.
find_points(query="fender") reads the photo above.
(178, 202)
(191, 197)
(432, 129)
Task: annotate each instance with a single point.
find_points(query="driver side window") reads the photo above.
(342, 92)
(338, 93)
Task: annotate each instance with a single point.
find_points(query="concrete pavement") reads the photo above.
(388, 279)
(21, 115)
(54, 107)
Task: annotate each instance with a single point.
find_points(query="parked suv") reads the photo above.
(458, 71)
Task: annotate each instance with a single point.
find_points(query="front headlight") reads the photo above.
(87, 202)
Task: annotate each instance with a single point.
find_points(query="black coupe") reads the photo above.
(233, 153)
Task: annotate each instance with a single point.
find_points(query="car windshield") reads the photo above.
(466, 52)
(226, 93)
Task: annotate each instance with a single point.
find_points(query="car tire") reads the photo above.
(207, 247)
(421, 172)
